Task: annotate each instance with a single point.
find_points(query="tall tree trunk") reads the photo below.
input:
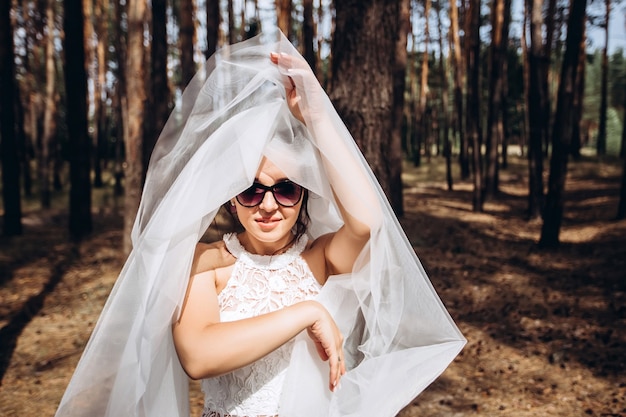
(232, 32)
(101, 10)
(49, 122)
(187, 37)
(308, 34)
(80, 221)
(622, 150)
(621, 209)
(457, 65)
(364, 45)
(12, 217)
(422, 128)
(445, 93)
(500, 9)
(550, 25)
(121, 105)
(535, 108)
(399, 88)
(135, 96)
(562, 130)
(159, 99)
(283, 17)
(473, 100)
(604, 86)
(579, 97)
(213, 26)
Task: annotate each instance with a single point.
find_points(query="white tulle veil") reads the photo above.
(399, 337)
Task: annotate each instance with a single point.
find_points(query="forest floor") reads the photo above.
(546, 330)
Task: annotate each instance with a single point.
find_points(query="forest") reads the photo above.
(497, 130)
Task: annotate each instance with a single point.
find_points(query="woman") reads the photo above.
(247, 125)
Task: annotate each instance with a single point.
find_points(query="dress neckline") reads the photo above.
(272, 262)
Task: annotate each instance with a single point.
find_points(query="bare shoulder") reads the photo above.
(210, 257)
(315, 256)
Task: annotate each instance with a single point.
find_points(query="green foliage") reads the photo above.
(613, 132)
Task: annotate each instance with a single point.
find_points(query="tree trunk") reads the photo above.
(604, 86)
(364, 45)
(213, 26)
(399, 88)
(159, 99)
(535, 108)
(457, 64)
(187, 36)
(283, 17)
(308, 34)
(621, 209)
(12, 218)
(232, 32)
(422, 127)
(497, 58)
(473, 100)
(100, 125)
(135, 96)
(443, 73)
(80, 222)
(121, 106)
(562, 130)
(49, 118)
(579, 97)
(550, 24)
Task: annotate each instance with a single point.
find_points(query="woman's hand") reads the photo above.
(303, 91)
(329, 344)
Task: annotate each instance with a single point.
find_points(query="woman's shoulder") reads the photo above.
(211, 256)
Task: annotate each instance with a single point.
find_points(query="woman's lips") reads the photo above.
(267, 223)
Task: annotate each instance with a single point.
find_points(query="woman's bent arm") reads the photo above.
(207, 347)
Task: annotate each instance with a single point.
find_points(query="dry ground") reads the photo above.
(545, 329)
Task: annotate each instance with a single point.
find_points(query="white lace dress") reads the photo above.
(259, 284)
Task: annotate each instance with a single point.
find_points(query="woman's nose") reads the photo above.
(269, 202)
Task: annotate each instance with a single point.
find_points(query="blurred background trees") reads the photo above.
(471, 81)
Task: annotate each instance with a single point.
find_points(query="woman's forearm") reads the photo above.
(222, 347)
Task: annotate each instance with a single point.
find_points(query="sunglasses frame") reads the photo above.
(272, 189)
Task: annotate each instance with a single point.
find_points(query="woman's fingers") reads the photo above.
(329, 344)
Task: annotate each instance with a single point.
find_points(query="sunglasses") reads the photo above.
(286, 193)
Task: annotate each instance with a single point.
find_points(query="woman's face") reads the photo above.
(268, 225)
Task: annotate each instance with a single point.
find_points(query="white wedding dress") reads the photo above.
(258, 284)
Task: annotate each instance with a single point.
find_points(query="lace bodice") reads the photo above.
(259, 284)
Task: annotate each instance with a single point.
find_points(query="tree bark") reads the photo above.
(364, 45)
(579, 97)
(49, 116)
(213, 26)
(80, 220)
(497, 58)
(101, 10)
(473, 101)
(443, 73)
(604, 83)
(159, 99)
(535, 108)
(308, 34)
(621, 208)
(457, 65)
(562, 130)
(187, 38)
(283, 17)
(12, 217)
(423, 118)
(135, 96)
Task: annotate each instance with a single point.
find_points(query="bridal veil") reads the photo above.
(398, 335)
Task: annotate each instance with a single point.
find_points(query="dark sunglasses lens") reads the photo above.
(251, 197)
(287, 193)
